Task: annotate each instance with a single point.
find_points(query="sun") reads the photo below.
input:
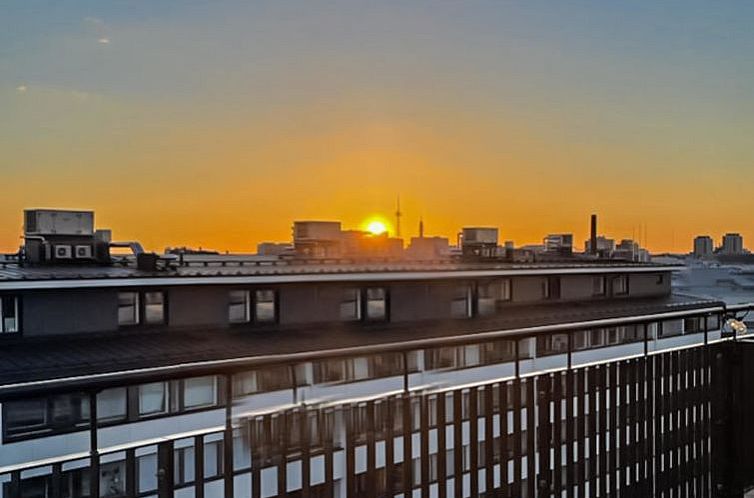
(376, 227)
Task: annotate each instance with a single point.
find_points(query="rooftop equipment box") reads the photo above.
(477, 235)
(316, 230)
(58, 222)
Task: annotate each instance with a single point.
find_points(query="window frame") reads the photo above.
(17, 305)
(141, 304)
(616, 278)
(366, 317)
(246, 304)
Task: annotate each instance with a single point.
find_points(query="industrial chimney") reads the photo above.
(593, 236)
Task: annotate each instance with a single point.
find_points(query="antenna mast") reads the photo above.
(398, 215)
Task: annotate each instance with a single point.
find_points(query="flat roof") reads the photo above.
(120, 356)
(250, 270)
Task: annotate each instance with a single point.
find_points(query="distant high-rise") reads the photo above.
(733, 243)
(703, 246)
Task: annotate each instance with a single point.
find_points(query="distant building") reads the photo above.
(559, 243)
(733, 244)
(317, 239)
(479, 242)
(428, 248)
(605, 246)
(703, 246)
(273, 248)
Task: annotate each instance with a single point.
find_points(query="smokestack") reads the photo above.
(593, 237)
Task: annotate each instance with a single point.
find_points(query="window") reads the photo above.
(24, 417)
(350, 306)
(460, 306)
(598, 286)
(239, 309)
(183, 466)
(376, 304)
(620, 285)
(669, 328)
(552, 344)
(128, 308)
(57, 413)
(154, 307)
(693, 324)
(112, 479)
(264, 306)
(551, 288)
(111, 404)
(490, 293)
(199, 392)
(8, 314)
(153, 398)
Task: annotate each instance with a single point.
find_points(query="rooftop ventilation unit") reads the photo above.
(63, 252)
(83, 252)
(58, 222)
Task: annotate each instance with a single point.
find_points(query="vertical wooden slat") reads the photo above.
(282, 452)
(504, 440)
(328, 419)
(473, 442)
(531, 428)
(517, 435)
(442, 448)
(371, 480)
(349, 415)
(557, 436)
(631, 427)
(580, 433)
(227, 383)
(94, 445)
(457, 443)
(305, 441)
(424, 445)
(602, 383)
(592, 429)
(614, 438)
(544, 433)
(390, 445)
(198, 468)
(651, 444)
(489, 440)
(642, 449)
(408, 474)
(570, 434)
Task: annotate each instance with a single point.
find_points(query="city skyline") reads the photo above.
(220, 125)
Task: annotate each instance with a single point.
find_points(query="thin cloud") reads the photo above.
(21, 88)
(104, 40)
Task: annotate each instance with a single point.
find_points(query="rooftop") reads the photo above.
(254, 269)
(51, 358)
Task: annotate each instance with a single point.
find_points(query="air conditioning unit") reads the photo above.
(84, 252)
(63, 252)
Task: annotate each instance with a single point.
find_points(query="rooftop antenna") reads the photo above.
(398, 215)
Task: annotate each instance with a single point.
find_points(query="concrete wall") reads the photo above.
(527, 289)
(648, 284)
(69, 311)
(198, 306)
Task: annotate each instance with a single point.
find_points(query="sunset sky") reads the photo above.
(217, 124)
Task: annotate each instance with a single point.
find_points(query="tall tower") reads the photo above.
(421, 228)
(398, 215)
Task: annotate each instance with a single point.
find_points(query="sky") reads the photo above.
(217, 124)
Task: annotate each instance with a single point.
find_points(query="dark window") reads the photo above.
(42, 415)
(376, 304)
(551, 288)
(552, 344)
(265, 306)
(154, 307)
(239, 307)
(460, 306)
(350, 305)
(9, 315)
(598, 286)
(620, 285)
